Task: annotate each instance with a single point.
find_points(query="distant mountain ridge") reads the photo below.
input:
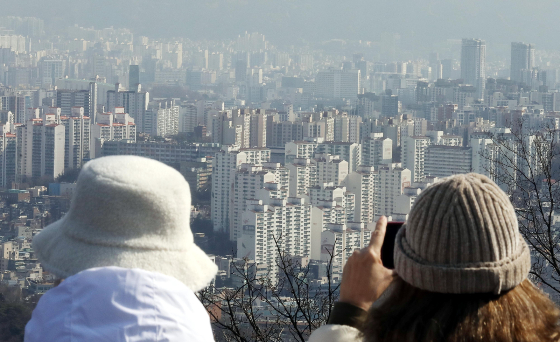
(418, 22)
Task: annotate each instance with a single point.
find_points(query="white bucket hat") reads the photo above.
(130, 212)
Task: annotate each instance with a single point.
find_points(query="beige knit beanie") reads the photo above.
(462, 237)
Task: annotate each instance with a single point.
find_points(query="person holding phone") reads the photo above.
(460, 275)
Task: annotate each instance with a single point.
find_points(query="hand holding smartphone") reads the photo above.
(364, 277)
(389, 244)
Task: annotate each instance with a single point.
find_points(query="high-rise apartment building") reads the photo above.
(341, 240)
(135, 103)
(77, 138)
(364, 183)
(40, 146)
(8, 159)
(216, 61)
(303, 174)
(300, 149)
(330, 169)
(17, 104)
(248, 180)
(133, 77)
(164, 152)
(270, 223)
(187, 117)
(473, 64)
(389, 105)
(257, 130)
(376, 150)
(522, 58)
(162, 118)
(350, 152)
(392, 181)
(444, 161)
(280, 133)
(111, 126)
(51, 70)
(224, 167)
(68, 99)
(338, 84)
(413, 155)
(335, 202)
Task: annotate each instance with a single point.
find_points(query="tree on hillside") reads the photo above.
(526, 163)
(279, 303)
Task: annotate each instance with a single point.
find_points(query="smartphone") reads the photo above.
(389, 244)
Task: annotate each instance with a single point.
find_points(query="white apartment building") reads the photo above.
(248, 180)
(341, 240)
(162, 119)
(111, 126)
(77, 139)
(336, 204)
(256, 156)
(9, 252)
(299, 149)
(484, 152)
(327, 194)
(40, 149)
(242, 118)
(351, 152)
(413, 155)
(330, 169)
(495, 159)
(438, 138)
(376, 151)
(364, 183)
(135, 103)
(444, 161)
(272, 223)
(317, 129)
(224, 166)
(303, 174)
(392, 180)
(320, 218)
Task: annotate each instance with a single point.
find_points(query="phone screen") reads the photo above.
(389, 244)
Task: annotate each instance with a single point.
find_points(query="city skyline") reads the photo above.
(293, 145)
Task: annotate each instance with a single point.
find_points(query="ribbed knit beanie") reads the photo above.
(462, 236)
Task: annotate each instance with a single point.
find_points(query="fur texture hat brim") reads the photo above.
(65, 256)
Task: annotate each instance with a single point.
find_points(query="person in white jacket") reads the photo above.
(127, 256)
(119, 304)
(461, 268)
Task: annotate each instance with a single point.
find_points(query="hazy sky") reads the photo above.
(418, 21)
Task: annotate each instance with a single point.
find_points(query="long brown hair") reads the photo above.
(522, 314)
